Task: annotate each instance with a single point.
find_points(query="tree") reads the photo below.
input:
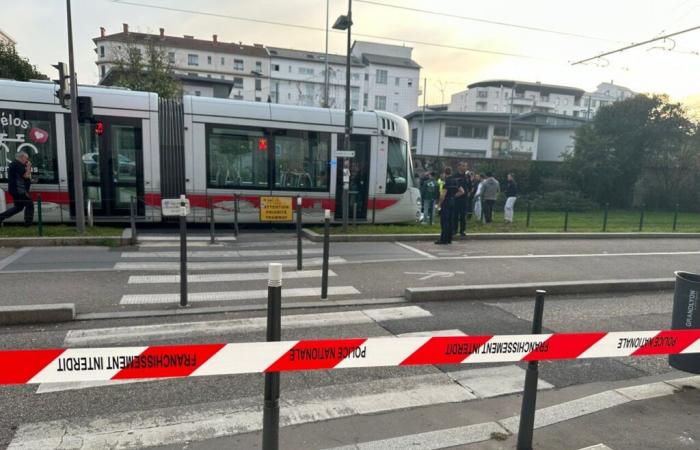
(15, 67)
(151, 72)
(622, 142)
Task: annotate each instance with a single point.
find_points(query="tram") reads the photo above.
(218, 152)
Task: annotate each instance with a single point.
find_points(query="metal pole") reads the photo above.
(566, 219)
(235, 215)
(299, 249)
(529, 210)
(605, 217)
(641, 218)
(212, 224)
(348, 115)
(183, 251)
(75, 138)
(510, 115)
(326, 245)
(374, 209)
(527, 411)
(422, 120)
(325, 85)
(675, 217)
(132, 218)
(271, 410)
(40, 221)
(354, 214)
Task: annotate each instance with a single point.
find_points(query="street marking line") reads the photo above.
(494, 381)
(224, 277)
(196, 297)
(165, 244)
(151, 238)
(223, 265)
(453, 332)
(647, 391)
(14, 257)
(415, 250)
(222, 254)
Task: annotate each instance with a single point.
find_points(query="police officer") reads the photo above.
(462, 200)
(447, 207)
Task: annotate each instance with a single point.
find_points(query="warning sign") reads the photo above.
(275, 209)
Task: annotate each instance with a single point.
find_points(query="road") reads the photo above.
(320, 409)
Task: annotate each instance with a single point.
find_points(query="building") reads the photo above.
(533, 135)
(605, 94)
(298, 78)
(209, 68)
(7, 39)
(391, 77)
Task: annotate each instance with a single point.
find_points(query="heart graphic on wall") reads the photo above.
(38, 135)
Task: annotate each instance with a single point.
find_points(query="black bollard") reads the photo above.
(605, 217)
(326, 245)
(354, 215)
(271, 409)
(374, 209)
(641, 217)
(527, 411)
(566, 219)
(212, 224)
(183, 251)
(675, 217)
(133, 220)
(40, 224)
(299, 250)
(529, 211)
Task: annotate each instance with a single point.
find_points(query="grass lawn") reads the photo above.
(590, 221)
(56, 230)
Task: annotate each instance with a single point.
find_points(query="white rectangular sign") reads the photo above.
(173, 207)
(345, 153)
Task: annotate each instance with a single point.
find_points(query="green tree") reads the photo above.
(150, 72)
(15, 67)
(622, 142)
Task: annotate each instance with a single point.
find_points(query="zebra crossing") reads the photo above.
(384, 390)
(243, 260)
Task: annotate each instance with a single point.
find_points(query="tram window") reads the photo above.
(301, 160)
(234, 158)
(397, 167)
(33, 132)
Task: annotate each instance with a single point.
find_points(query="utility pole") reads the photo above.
(510, 115)
(422, 120)
(75, 137)
(325, 85)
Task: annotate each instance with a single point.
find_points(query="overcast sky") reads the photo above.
(39, 28)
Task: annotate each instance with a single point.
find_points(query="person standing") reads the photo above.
(478, 190)
(462, 199)
(447, 207)
(428, 194)
(511, 197)
(490, 191)
(19, 181)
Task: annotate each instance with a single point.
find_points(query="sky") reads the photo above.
(669, 66)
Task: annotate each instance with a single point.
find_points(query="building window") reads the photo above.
(500, 131)
(301, 160)
(482, 94)
(238, 97)
(192, 59)
(258, 66)
(397, 81)
(290, 69)
(238, 64)
(223, 61)
(102, 51)
(276, 67)
(306, 71)
(364, 99)
(257, 99)
(366, 77)
(410, 82)
(356, 76)
(466, 131)
(396, 107)
(380, 102)
(102, 71)
(209, 60)
(381, 77)
(481, 106)
(545, 97)
(523, 134)
(223, 77)
(414, 137)
(171, 57)
(258, 84)
(208, 75)
(198, 93)
(238, 82)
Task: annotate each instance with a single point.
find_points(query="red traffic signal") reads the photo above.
(99, 128)
(262, 144)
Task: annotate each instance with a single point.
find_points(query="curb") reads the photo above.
(316, 237)
(23, 315)
(480, 292)
(60, 241)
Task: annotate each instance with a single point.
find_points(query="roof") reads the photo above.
(6, 37)
(302, 55)
(188, 43)
(532, 118)
(370, 58)
(536, 86)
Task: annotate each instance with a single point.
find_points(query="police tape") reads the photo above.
(167, 361)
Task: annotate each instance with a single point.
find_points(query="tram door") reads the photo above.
(112, 165)
(359, 178)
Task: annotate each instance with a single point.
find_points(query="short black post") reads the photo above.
(40, 224)
(641, 217)
(133, 220)
(212, 224)
(183, 251)
(432, 211)
(527, 411)
(271, 409)
(326, 245)
(374, 209)
(566, 219)
(354, 215)
(675, 217)
(605, 217)
(235, 215)
(529, 211)
(299, 250)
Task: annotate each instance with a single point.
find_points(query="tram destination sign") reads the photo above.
(173, 207)
(345, 153)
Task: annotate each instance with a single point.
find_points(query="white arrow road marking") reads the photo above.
(432, 274)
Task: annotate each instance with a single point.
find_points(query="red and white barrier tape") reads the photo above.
(118, 363)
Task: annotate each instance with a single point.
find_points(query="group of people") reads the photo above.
(460, 195)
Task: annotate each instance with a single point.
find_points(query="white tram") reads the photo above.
(216, 151)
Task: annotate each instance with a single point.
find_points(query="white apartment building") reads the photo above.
(298, 78)
(209, 68)
(391, 78)
(605, 94)
(7, 39)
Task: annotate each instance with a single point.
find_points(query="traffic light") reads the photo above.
(63, 92)
(84, 109)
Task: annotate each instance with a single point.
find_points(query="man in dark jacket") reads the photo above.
(19, 180)
(462, 200)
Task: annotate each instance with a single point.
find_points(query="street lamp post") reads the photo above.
(344, 22)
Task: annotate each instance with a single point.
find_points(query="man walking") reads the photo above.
(462, 199)
(490, 191)
(428, 194)
(511, 196)
(19, 180)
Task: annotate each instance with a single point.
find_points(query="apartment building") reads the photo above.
(7, 39)
(605, 94)
(209, 68)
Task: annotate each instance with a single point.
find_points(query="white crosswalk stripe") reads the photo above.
(197, 297)
(222, 254)
(159, 238)
(223, 277)
(223, 265)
